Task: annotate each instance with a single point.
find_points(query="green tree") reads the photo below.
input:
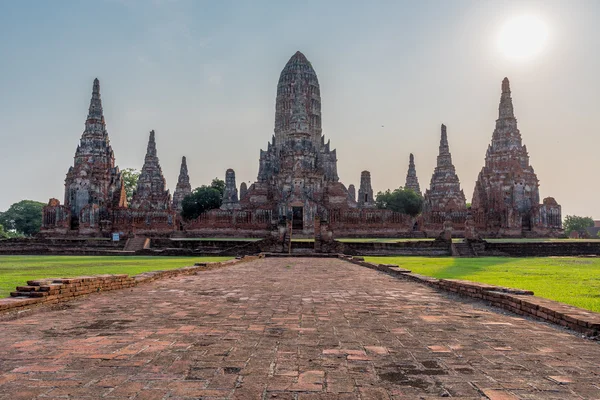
(24, 217)
(3, 233)
(400, 200)
(575, 223)
(218, 184)
(130, 178)
(201, 200)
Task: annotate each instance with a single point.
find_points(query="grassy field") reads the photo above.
(570, 280)
(17, 270)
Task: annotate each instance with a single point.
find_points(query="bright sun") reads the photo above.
(522, 38)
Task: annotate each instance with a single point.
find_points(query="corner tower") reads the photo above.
(444, 196)
(506, 197)
(93, 181)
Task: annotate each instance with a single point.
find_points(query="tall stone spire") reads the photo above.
(95, 114)
(183, 187)
(365, 192)
(444, 158)
(151, 192)
(444, 194)
(230, 195)
(412, 182)
(505, 109)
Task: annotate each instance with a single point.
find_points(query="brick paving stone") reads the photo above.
(298, 329)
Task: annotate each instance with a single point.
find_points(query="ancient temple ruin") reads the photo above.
(95, 200)
(298, 187)
(506, 199)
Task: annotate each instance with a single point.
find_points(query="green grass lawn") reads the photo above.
(570, 280)
(17, 270)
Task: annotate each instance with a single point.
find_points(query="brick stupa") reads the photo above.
(444, 196)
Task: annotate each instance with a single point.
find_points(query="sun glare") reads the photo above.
(523, 38)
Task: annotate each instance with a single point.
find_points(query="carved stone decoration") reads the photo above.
(183, 187)
(444, 196)
(506, 199)
(151, 192)
(365, 192)
(412, 182)
(230, 195)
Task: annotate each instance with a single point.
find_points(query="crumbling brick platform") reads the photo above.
(289, 328)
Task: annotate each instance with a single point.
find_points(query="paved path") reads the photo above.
(289, 329)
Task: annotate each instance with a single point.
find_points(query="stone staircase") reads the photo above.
(463, 249)
(137, 243)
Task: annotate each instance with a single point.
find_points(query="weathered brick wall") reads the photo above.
(521, 302)
(53, 291)
(543, 249)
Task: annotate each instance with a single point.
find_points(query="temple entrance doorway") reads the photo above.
(298, 218)
(526, 223)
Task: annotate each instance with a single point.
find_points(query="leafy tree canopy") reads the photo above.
(400, 200)
(130, 178)
(218, 184)
(24, 217)
(201, 200)
(575, 223)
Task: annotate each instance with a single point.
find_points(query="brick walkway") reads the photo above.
(289, 329)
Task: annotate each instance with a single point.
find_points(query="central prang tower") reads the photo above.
(298, 171)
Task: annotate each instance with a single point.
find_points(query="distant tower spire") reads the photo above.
(412, 182)
(183, 187)
(151, 192)
(151, 149)
(230, 195)
(352, 192)
(365, 192)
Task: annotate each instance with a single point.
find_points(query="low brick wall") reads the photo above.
(53, 291)
(521, 302)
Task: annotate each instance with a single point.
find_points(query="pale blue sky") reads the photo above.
(204, 74)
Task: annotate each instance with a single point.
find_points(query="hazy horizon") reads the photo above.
(203, 75)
